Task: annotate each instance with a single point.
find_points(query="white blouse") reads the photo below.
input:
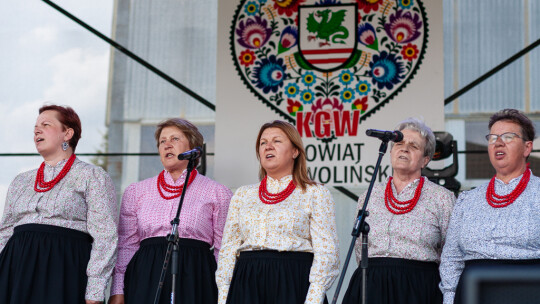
(304, 222)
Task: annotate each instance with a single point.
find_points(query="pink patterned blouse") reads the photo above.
(144, 214)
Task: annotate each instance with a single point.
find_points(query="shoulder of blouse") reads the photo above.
(535, 179)
(30, 174)
(145, 183)
(443, 191)
(464, 195)
(377, 188)
(250, 187)
(246, 189)
(310, 189)
(151, 180)
(22, 180)
(90, 168)
(208, 181)
(213, 188)
(316, 186)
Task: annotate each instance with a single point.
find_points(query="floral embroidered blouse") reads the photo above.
(417, 235)
(84, 200)
(304, 222)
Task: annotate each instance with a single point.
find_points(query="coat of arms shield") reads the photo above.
(327, 35)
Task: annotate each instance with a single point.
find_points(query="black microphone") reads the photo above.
(395, 136)
(191, 154)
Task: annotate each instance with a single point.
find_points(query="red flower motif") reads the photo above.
(294, 106)
(247, 58)
(369, 5)
(287, 7)
(410, 52)
(360, 104)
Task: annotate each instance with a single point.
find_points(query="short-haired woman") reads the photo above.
(145, 219)
(498, 223)
(58, 235)
(408, 217)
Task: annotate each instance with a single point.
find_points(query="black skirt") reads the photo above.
(44, 264)
(396, 281)
(472, 265)
(270, 277)
(195, 282)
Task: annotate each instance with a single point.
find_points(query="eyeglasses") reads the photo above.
(505, 137)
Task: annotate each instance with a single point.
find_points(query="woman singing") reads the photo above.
(280, 243)
(58, 235)
(496, 224)
(408, 218)
(145, 219)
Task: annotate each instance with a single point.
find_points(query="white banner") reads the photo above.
(331, 68)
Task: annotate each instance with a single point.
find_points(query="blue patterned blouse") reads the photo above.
(479, 231)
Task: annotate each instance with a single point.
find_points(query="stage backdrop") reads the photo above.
(333, 68)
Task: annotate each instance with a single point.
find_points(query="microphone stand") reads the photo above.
(172, 247)
(360, 226)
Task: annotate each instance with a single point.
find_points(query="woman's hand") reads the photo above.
(116, 299)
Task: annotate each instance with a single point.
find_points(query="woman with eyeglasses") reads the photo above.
(497, 223)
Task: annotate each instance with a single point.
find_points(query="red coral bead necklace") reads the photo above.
(500, 201)
(177, 190)
(271, 198)
(42, 186)
(398, 207)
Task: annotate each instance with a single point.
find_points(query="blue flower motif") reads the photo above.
(251, 8)
(292, 90)
(346, 77)
(347, 95)
(262, 2)
(308, 79)
(307, 96)
(269, 74)
(386, 70)
(405, 3)
(363, 87)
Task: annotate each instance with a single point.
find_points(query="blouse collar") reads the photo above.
(286, 179)
(512, 181)
(412, 184)
(169, 179)
(59, 164)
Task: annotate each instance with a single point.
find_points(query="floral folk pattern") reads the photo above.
(303, 57)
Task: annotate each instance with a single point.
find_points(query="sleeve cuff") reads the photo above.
(223, 291)
(117, 286)
(216, 254)
(448, 297)
(95, 289)
(316, 294)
